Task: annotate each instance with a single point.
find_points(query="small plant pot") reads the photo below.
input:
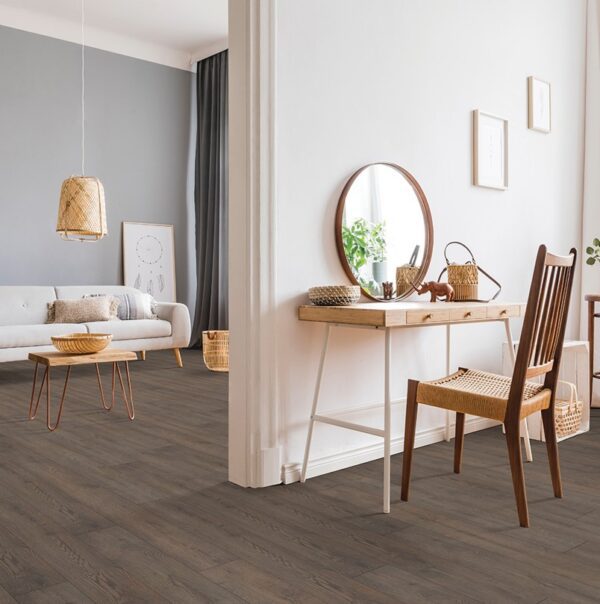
(380, 271)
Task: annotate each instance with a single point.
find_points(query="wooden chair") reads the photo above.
(505, 399)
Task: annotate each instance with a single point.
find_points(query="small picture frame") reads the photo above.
(149, 259)
(539, 105)
(490, 150)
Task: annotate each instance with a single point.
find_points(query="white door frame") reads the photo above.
(254, 444)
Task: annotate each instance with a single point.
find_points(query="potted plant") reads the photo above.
(378, 251)
(593, 252)
(363, 242)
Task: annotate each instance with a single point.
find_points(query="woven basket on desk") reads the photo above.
(334, 295)
(405, 277)
(464, 279)
(568, 413)
(215, 350)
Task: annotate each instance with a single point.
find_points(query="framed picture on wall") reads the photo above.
(149, 259)
(540, 114)
(490, 150)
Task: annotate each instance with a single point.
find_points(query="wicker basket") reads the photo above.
(334, 295)
(215, 350)
(405, 277)
(82, 343)
(464, 279)
(567, 413)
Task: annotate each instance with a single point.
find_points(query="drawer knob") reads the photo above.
(467, 314)
(503, 312)
(428, 316)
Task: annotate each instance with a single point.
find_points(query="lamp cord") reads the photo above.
(82, 87)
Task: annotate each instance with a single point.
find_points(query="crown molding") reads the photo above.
(207, 51)
(70, 31)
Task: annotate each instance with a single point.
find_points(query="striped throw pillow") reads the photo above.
(133, 306)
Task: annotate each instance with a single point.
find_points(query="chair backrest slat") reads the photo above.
(540, 346)
(553, 303)
(539, 308)
(564, 303)
(550, 338)
(542, 311)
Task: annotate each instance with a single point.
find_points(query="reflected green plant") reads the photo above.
(363, 241)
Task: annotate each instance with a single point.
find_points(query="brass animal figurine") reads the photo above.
(388, 290)
(437, 290)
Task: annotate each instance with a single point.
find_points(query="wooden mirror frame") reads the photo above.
(426, 217)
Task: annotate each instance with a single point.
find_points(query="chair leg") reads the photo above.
(410, 426)
(552, 448)
(177, 354)
(459, 440)
(516, 467)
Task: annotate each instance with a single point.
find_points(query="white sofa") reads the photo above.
(24, 310)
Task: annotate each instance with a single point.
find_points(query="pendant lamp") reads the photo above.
(82, 209)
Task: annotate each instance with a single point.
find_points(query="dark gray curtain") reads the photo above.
(211, 196)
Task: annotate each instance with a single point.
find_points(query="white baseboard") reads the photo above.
(354, 457)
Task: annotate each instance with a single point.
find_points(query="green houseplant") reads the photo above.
(593, 252)
(364, 241)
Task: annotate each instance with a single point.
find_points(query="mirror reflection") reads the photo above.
(384, 231)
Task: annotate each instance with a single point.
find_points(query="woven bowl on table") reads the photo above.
(334, 295)
(82, 343)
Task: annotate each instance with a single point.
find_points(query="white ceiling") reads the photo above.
(171, 32)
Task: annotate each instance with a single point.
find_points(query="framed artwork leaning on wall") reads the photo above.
(490, 150)
(149, 259)
(539, 105)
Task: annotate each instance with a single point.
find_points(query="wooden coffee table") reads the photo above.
(61, 359)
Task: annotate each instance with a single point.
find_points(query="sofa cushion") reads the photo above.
(17, 336)
(114, 303)
(24, 304)
(132, 330)
(83, 310)
(131, 306)
(78, 291)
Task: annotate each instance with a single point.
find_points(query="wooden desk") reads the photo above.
(385, 316)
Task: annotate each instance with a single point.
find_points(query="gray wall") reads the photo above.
(137, 143)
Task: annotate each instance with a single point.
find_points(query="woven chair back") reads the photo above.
(543, 333)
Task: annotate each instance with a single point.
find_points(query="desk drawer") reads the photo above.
(503, 312)
(468, 314)
(416, 317)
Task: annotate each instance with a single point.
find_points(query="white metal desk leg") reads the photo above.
(315, 402)
(447, 434)
(524, 427)
(387, 420)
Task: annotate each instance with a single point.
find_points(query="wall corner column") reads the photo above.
(254, 447)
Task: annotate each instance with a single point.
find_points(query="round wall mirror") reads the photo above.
(384, 232)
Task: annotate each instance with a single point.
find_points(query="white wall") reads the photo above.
(396, 80)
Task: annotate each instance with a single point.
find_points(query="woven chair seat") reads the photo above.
(480, 393)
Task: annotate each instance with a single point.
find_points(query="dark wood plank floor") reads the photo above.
(105, 510)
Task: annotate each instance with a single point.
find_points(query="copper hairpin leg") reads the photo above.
(116, 370)
(46, 382)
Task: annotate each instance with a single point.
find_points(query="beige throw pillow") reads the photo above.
(114, 307)
(82, 310)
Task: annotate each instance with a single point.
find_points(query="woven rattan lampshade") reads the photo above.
(82, 211)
